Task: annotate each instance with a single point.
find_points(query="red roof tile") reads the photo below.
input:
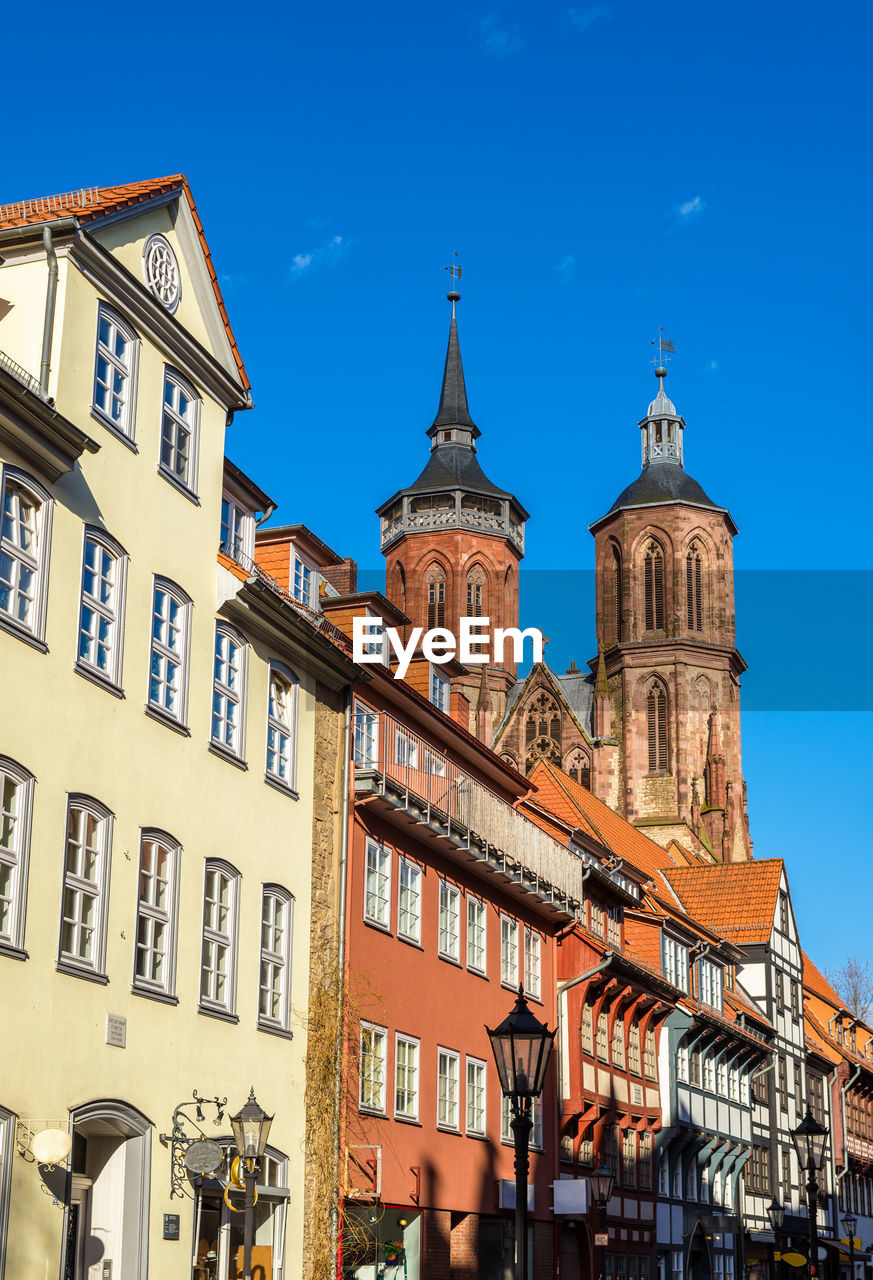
(92, 203)
(735, 899)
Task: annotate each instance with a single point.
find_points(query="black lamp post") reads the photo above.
(810, 1139)
(251, 1128)
(522, 1047)
(601, 1184)
(850, 1222)
(777, 1218)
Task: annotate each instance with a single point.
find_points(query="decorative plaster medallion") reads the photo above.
(162, 272)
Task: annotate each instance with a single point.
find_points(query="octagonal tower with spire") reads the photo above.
(453, 541)
(665, 630)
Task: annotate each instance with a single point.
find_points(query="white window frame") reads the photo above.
(167, 654)
(675, 963)
(476, 1117)
(124, 425)
(449, 912)
(477, 934)
(709, 984)
(682, 1062)
(448, 1105)
(15, 827)
(509, 952)
(304, 580)
(224, 939)
(94, 584)
(275, 960)
(239, 541)
(151, 915)
(532, 963)
(8, 1127)
(76, 886)
(409, 877)
(405, 750)
(225, 695)
(173, 423)
(411, 1091)
(377, 883)
(536, 1118)
(365, 737)
(440, 689)
(378, 1036)
(281, 744)
(33, 560)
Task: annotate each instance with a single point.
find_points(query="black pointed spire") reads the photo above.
(453, 410)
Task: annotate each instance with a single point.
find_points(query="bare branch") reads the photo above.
(853, 983)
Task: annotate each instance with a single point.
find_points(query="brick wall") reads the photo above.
(436, 1247)
(465, 1246)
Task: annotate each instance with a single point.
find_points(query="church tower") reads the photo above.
(453, 541)
(665, 635)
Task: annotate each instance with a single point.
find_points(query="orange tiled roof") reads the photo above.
(579, 808)
(735, 899)
(818, 984)
(93, 203)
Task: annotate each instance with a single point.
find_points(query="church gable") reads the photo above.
(542, 723)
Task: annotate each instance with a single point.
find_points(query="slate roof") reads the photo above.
(453, 410)
(454, 466)
(93, 203)
(735, 899)
(663, 482)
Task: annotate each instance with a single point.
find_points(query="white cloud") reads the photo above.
(690, 209)
(330, 253)
(712, 366)
(566, 266)
(498, 39)
(581, 19)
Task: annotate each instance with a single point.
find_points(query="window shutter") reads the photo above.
(689, 590)
(650, 595)
(698, 596)
(662, 731)
(653, 732)
(659, 592)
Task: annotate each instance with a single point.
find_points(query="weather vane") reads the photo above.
(454, 269)
(664, 346)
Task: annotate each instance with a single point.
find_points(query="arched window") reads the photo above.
(101, 615)
(282, 728)
(16, 803)
(612, 591)
(578, 766)
(656, 712)
(400, 585)
(653, 567)
(436, 597)
(115, 371)
(220, 927)
(156, 913)
(475, 592)
(25, 525)
(693, 588)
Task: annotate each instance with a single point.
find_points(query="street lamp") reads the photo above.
(601, 1184)
(777, 1217)
(522, 1047)
(251, 1128)
(810, 1139)
(850, 1222)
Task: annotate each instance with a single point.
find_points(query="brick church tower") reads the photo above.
(667, 652)
(453, 541)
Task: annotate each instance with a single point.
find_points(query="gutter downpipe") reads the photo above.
(51, 295)
(843, 1091)
(563, 988)
(341, 960)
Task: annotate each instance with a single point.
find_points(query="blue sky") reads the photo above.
(602, 169)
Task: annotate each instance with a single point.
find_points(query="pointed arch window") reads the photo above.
(579, 768)
(475, 592)
(693, 588)
(436, 597)
(656, 712)
(617, 593)
(653, 568)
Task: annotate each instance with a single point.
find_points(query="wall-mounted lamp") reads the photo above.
(42, 1143)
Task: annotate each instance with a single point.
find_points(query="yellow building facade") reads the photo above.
(158, 712)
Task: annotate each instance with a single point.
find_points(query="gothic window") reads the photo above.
(542, 731)
(436, 597)
(656, 711)
(653, 567)
(617, 592)
(578, 767)
(475, 592)
(693, 588)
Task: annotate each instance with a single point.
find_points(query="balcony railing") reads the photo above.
(413, 775)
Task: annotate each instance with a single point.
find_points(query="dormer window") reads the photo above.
(709, 984)
(674, 959)
(301, 586)
(237, 529)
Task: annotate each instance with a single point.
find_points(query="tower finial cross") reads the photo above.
(665, 346)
